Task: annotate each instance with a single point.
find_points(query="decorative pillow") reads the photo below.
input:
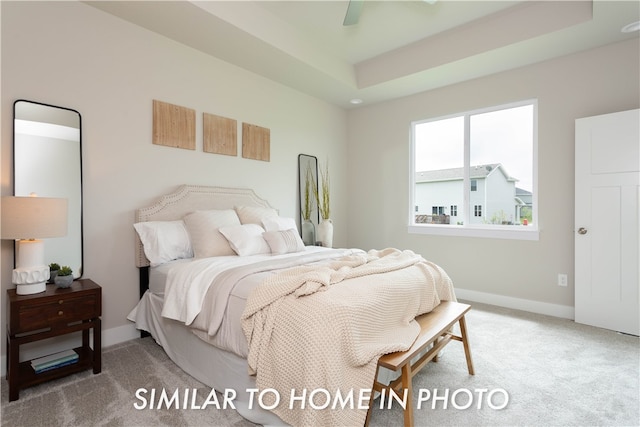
(203, 227)
(164, 241)
(284, 241)
(246, 239)
(254, 214)
(279, 224)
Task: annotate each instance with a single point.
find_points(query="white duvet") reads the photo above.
(209, 294)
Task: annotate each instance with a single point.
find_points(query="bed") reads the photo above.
(237, 301)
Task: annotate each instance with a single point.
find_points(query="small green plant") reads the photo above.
(65, 271)
(500, 217)
(54, 266)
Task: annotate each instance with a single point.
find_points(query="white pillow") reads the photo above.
(246, 239)
(279, 224)
(164, 241)
(203, 227)
(254, 214)
(284, 241)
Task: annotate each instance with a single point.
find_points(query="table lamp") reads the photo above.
(28, 219)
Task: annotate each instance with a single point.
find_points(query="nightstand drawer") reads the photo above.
(62, 311)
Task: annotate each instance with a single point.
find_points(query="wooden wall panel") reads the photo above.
(174, 126)
(256, 142)
(220, 135)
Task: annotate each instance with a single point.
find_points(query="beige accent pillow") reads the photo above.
(255, 214)
(279, 223)
(284, 241)
(246, 239)
(203, 228)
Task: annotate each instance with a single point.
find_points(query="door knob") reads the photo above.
(582, 230)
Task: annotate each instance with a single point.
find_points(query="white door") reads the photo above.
(607, 247)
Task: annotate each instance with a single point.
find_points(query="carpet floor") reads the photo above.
(531, 370)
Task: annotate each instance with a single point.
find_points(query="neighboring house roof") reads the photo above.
(524, 197)
(477, 172)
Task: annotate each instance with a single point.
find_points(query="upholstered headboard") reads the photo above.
(189, 198)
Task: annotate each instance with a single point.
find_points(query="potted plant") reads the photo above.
(323, 198)
(64, 278)
(308, 229)
(53, 271)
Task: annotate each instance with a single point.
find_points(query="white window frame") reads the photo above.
(529, 232)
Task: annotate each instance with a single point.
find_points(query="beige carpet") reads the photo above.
(555, 372)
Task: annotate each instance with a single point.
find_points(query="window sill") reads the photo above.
(528, 232)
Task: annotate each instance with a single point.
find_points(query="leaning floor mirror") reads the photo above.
(47, 146)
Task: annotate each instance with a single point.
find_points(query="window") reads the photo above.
(483, 161)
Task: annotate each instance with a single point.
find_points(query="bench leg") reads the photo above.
(435, 358)
(408, 386)
(465, 343)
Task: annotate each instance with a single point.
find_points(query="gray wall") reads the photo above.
(598, 81)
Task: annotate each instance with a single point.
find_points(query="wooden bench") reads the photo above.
(435, 328)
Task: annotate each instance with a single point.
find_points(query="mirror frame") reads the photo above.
(77, 270)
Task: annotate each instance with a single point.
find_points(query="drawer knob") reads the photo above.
(60, 313)
(61, 301)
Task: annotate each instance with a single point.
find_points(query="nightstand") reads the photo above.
(52, 313)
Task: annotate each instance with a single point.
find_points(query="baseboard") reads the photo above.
(120, 334)
(109, 337)
(556, 310)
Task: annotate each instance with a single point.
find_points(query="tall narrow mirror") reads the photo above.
(47, 161)
(308, 185)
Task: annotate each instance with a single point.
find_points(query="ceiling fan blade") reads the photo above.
(353, 12)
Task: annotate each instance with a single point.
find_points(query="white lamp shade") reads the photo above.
(33, 217)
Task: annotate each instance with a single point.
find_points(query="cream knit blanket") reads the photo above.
(311, 328)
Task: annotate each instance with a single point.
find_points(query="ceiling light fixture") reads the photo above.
(356, 101)
(630, 28)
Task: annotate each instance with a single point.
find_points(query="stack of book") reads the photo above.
(54, 361)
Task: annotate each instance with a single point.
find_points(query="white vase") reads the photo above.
(325, 233)
(308, 233)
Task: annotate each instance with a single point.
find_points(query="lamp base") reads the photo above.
(31, 274)
(31, 288)
(31, 280)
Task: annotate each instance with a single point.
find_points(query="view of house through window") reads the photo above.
(476, 168)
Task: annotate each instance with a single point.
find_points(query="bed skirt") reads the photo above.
(210, 365)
